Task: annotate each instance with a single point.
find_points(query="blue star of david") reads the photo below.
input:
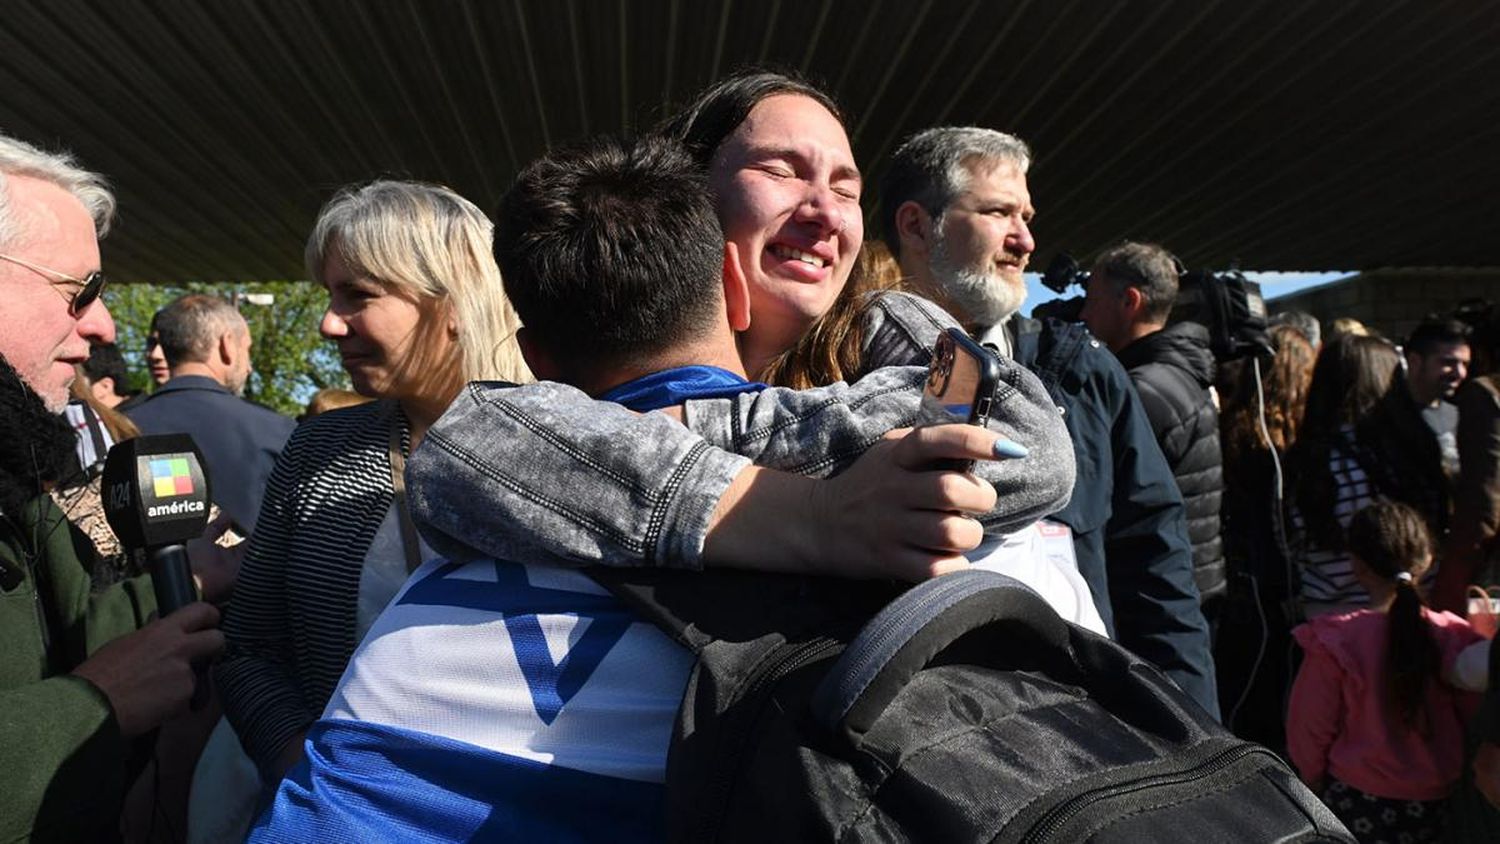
(552, 684)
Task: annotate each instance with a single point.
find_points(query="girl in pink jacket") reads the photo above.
(1371, 724)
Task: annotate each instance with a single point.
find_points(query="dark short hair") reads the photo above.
(105, 361)
(1431, 333)
(721, 107)
(1145, 266)
(190, 325)
(611, 251)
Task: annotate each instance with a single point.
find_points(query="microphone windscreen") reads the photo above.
(155, 491)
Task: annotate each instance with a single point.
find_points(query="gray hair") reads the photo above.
(190, 326)
(18, 158)
(433, 245)
(1304, 322)
(934, 166)
(1146, 267)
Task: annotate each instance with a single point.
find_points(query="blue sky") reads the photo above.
(1271, 286)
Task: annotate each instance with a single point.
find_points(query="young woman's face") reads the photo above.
(378, 332)
(788, 195)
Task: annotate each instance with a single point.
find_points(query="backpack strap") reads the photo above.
(698, 608)
(920, 626)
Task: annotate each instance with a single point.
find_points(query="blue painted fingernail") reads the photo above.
(1010, 449)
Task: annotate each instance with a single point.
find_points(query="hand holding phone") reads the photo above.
(961, 384)
(961, 381)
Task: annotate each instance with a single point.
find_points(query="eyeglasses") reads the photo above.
(89, 288)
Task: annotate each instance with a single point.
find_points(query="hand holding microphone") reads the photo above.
(156, 499)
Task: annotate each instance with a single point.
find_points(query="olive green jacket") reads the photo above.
(62, 758)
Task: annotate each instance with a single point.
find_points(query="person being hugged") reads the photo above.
(1372, 725)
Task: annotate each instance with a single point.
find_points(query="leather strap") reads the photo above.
(409, 542)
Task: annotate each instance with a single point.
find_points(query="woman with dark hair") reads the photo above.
(1371, 724)
(1255, 670)
(1361, 438)
(793, 215)
(814, 326)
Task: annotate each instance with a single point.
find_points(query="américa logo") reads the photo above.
(171, 477)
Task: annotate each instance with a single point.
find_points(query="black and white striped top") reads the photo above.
(290, 626)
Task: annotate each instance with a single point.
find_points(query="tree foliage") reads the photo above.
(291, 361)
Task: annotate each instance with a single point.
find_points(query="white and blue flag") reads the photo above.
(492, 701)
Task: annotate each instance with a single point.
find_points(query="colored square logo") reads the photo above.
(171, 477)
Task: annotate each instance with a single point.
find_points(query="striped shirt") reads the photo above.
(1327, 576)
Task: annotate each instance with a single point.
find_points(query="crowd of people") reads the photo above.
(681, 352)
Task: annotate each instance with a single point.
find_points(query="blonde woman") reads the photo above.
(416, 308)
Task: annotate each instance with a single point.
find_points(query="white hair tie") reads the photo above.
(1403, 577)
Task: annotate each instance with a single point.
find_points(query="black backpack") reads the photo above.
(965, 710)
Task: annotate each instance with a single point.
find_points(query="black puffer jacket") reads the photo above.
(1172, 370)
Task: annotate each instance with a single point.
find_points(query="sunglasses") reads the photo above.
(87, 289)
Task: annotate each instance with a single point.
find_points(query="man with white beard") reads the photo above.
(956, 213)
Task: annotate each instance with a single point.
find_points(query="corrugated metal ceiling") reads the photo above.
(1288, 134)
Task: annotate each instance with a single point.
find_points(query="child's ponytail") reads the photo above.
(1392, 540)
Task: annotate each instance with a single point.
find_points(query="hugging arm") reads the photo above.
(544, 473)
(821, 432)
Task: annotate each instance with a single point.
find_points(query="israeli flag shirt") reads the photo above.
(497, 700)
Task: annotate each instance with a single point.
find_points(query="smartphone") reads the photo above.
(961, 383)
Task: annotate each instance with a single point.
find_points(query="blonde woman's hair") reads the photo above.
(428, 243)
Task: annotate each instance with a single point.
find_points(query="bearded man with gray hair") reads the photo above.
(956, 212)
(77, 686)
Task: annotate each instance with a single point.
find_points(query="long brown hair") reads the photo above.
(1392, 541)
(1284, 388)
(829, 350)
(1351, 377)
(1356, 383)
(118, 425)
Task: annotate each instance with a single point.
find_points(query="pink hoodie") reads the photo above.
(1337, 724)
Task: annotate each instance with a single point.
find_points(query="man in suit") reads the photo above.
(207, 346)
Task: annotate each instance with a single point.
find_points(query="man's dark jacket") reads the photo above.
(240, 440)
(1126, 514)
(1172, 370)
(66, 764)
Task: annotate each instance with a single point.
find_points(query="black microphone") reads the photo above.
(156, 498)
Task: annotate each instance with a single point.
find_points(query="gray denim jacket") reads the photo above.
(542, 472)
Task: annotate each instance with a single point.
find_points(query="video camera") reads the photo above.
(1229, 305)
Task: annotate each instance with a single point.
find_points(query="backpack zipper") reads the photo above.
(1060, 814)
(757, 688)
